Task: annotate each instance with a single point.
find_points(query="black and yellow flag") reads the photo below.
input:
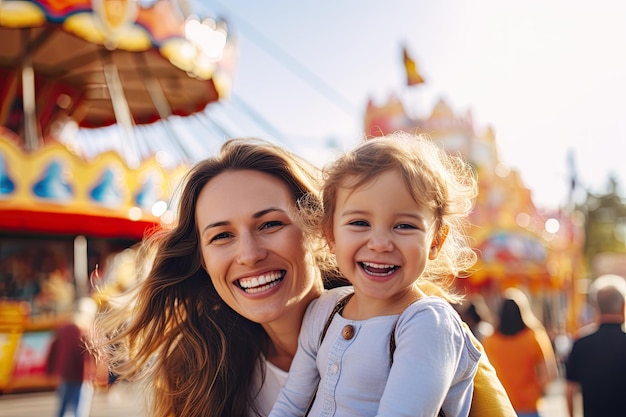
(412, 76)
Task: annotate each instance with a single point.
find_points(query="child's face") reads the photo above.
(381, 237)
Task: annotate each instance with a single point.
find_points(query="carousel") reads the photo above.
(87, 64)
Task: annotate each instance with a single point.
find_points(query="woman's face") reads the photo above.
(251, 248)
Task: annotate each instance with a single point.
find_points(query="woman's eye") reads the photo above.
(220, 236)
(272, 224)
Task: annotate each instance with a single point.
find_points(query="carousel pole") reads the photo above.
(31, 135)
(160, 104)
(115, 18)
(121, 110)
(81, 268)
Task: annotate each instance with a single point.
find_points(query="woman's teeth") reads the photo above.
(261, 283)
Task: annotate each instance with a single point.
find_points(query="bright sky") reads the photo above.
(548, 76)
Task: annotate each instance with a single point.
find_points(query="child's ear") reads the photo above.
(437, 242)
(330, 240)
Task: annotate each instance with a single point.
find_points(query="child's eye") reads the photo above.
(406, 226)
(361, 223)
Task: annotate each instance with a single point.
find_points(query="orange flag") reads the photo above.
(412, 76)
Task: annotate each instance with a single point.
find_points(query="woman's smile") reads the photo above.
(261, 283)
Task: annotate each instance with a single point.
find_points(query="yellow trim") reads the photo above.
(86, 26)
(26, 169)
(19, 14)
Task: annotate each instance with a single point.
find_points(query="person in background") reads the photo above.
(213, 326)
(596, 365)
(475, 313)
(70, 360)
(393, 215)
(522, 353)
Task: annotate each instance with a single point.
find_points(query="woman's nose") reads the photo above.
(251, 250)
(380, 241)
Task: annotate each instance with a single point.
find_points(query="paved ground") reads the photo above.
(124, 400)
(554, 405)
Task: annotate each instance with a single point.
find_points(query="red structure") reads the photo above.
(65, 220)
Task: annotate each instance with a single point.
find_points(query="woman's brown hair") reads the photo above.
(198, 356)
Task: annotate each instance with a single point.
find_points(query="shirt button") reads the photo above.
(348, 332)
(334, 368)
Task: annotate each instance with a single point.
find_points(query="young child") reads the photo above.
(394, 213)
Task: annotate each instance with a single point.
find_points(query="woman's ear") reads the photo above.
(437, 242)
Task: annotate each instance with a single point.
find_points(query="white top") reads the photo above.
(274, 380)
(434, 363)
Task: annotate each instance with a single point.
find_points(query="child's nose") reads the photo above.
(380, 241)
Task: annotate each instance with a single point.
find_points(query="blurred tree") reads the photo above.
(605, 227)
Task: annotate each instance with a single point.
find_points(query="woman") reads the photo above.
(213, 327)
(526, 373)
(227, 289)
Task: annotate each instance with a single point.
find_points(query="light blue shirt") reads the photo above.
(434, 364)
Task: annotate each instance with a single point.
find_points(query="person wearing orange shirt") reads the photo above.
(522, 354)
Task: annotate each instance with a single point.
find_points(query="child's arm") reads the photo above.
(434, 359)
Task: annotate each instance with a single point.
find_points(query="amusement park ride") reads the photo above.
(91, 63)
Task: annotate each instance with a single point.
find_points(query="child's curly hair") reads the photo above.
(435, 179)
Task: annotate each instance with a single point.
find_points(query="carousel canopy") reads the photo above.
(90, 59)
(97, 63)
